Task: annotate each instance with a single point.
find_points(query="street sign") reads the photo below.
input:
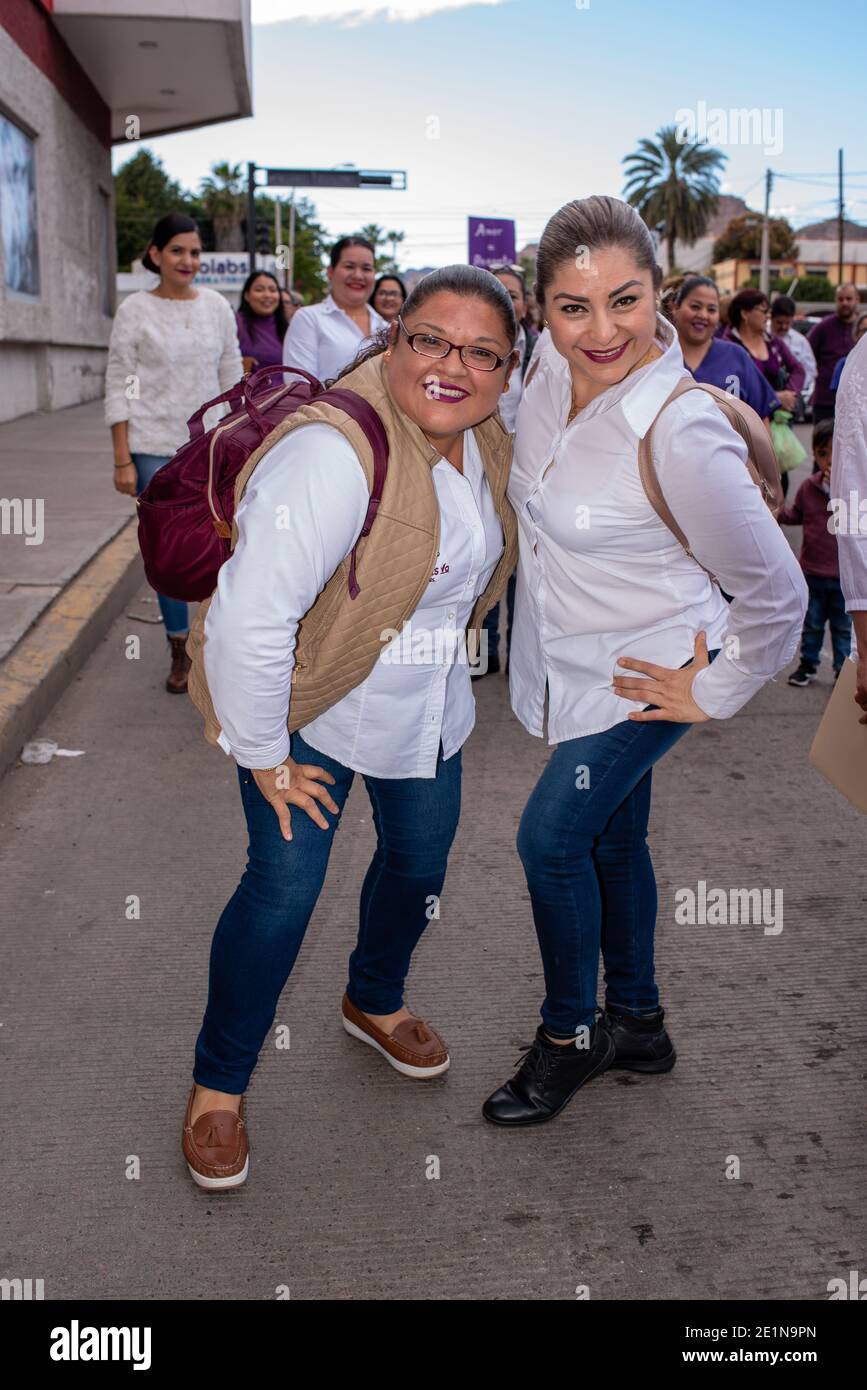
(492, 241)
(336, 178)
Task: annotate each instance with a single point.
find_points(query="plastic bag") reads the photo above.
(787, 446)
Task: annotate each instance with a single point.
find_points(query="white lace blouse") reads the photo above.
(166, 357)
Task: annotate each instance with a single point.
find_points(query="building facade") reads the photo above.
(77, 77)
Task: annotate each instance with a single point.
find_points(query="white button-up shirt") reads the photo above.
(300, 516)
(600, 576)
(322, 338)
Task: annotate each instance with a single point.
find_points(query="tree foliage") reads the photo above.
(674, 184)
(742, 239)
(144, 193)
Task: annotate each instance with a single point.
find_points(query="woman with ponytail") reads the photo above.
(616, 631)
(172, 348)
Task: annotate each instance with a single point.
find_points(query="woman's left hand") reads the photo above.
(670, 689)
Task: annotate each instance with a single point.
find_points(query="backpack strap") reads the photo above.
(761, 460)
(363, 413)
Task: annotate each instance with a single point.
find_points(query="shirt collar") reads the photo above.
(329, 306)
(645, 391)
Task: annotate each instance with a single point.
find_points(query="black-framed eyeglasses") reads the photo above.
(429, 345)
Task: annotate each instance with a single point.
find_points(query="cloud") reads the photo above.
(354, 12)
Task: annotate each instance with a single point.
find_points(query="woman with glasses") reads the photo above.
(748, 327)
(322, 655)
(324, 338)
(389, 294)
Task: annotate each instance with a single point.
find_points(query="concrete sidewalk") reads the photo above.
(101, 1000)
(68, 559)
(626, 1193)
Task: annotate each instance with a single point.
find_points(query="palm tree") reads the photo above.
(674, 185)
(395, 238)
(224, 201)
(378, 237)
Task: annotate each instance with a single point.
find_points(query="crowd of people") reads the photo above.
(514, 420)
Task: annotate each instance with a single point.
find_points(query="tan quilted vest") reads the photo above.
(339, 639)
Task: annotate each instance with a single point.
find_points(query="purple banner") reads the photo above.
(492, 241)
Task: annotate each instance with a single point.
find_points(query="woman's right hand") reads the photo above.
(125, 479)
(295, 784)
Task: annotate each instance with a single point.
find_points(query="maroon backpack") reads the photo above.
(185, 512)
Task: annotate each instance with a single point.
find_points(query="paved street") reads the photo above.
(626, 1193)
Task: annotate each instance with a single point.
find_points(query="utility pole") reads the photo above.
(278, 237)
(292, 241)
(840, 211)
(251, 215)
(765, 267)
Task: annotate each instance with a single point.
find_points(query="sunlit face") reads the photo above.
(697, 318)
(353, 278)
(178, 262)
(444, 396)
(847, 302)
(388, 300)
(516, 293)
(263, 296)
(602, 315)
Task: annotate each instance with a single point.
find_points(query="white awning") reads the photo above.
(174, 64)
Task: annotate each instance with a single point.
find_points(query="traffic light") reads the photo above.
(263, 236)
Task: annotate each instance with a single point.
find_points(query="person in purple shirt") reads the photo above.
(830, 340)
(860, 330)
(261, 320)
(748, 318)
(717, 361)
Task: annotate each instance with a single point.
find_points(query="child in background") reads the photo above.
(819, 563)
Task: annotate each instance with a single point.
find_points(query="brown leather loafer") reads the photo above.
(413, 1049)
(215, 1147)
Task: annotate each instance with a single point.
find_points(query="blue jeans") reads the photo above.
(175, 612)
(262, 926)
(827, 604)
(583, 843)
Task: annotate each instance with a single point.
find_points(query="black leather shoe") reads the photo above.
(491, 669)
(548, 1078)
(641, 1044)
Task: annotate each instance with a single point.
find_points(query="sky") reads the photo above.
(510, 108)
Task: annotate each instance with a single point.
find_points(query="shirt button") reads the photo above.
(451, 616)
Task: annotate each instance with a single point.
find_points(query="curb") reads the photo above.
(39, 668)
